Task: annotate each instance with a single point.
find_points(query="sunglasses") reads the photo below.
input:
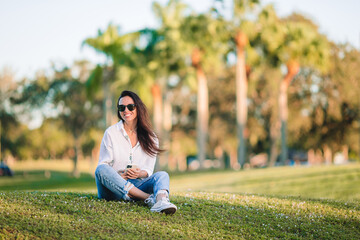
(131, 107)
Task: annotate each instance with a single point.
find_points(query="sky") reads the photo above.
(34, 34)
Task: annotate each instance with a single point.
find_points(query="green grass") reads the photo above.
(278, 203)
(58, 181)
(334, 182)
(46, 215)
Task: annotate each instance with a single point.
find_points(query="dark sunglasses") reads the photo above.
(131, 107)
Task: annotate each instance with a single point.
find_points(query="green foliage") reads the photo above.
(62, 99)
(242, 6)
(210, 35)
(10, 142)
(222, 112)
(323, 97)
(117, 48)
(93, 84)
(48, 141)
(325, 109)
(111, 43)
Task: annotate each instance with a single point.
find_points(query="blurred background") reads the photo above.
(229, 84)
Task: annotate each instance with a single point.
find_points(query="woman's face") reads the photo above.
(128, 115)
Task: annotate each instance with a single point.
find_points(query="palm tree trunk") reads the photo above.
(273, 153)
(202, 106)
(202, 115)
(106, 103)
(241, 100)
(78, 155)
(0, 143)
(108, 97)
(158, 102)
(359, 121)
(327, 154)
(274, 137)
(158, 119)
(311, 157)
(345, 152)
(167, 125)
(293, 68)
(283, 108)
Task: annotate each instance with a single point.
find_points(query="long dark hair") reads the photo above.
(145, 134)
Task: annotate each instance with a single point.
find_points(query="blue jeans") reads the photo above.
(110, 184)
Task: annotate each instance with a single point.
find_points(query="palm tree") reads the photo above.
(159, 55)
(271, 36)
(206, 37)
(302, 46)
(292, 42)
(202, 105)
(243, 29)
(293, 68)
(241, 41)
(112, 44)
(167, 53)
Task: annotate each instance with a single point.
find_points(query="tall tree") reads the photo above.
(65, 94)
(202, 106)
(114, 47)
(163, 57)
(243, 28)
(241, 95)
(7, 87)
(303, 46)
(168, 51)
(270, 39)
(330, 103)
(206, 37)
(152, 57)
(291, 43)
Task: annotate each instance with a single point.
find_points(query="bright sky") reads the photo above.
(35, 33)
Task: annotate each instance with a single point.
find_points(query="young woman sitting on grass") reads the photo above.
(127, 158)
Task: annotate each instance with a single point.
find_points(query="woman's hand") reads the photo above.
(133, 173)
(124, 175)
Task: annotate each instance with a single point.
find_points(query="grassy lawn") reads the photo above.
(334, 182)
(285, 203)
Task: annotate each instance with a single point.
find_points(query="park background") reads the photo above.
(257, 106)
(231, 85)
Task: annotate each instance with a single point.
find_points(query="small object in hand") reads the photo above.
(132, 166)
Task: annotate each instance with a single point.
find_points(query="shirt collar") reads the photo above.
(120, 127)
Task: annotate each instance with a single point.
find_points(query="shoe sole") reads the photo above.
(170, 210)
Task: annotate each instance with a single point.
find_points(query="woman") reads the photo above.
(127, 159)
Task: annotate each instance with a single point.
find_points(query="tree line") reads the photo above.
(218, 87)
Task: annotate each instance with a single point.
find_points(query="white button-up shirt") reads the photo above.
(116, 150)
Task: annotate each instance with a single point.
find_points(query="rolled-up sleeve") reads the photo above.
(150, 161)
(149, 165)
(106, 151)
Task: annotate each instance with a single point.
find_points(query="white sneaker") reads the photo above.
(164, 206)
(150, 201)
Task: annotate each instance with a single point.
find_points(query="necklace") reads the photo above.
(132, 131)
